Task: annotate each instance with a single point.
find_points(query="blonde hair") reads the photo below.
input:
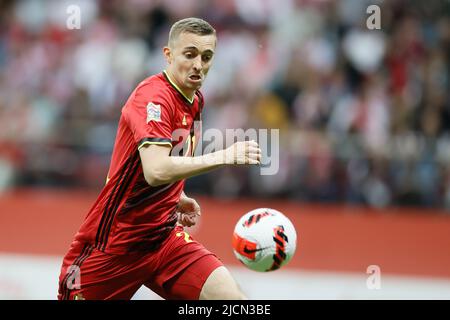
(190, 25)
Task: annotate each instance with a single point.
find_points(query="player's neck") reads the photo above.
(188, 95)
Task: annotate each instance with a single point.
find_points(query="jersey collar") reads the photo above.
(166, 75)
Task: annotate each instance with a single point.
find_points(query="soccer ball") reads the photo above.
(264, 239)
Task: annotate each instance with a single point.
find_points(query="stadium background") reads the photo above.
(364, 119)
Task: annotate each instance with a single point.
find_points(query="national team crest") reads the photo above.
(153, 112)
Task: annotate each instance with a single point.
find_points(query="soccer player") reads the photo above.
(134, 233)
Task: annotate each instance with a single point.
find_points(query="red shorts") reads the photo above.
(177, 270)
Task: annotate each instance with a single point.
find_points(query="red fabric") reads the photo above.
(129, 215)
(177, 270)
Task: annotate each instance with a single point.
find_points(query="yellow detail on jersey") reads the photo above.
(78, 296)
(187, 237)
(184, 122)
(151, 142)
(178, 89)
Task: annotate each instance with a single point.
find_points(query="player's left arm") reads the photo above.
(188, 210)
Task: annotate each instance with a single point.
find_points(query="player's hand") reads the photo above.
(188, 211)
(243, 152)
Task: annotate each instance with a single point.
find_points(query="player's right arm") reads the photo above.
(161, 168)
(149, 114)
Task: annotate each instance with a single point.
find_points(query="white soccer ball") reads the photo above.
(264, 240)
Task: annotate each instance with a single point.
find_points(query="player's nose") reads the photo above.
(198, 64)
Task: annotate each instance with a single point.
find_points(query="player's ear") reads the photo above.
(167, 54)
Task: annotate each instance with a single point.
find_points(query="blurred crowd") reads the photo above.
(364, 115)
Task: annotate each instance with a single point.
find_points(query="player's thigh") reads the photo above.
(185, 266)
(204, 279)
(88, 273)
(186, 281)
(220, 285)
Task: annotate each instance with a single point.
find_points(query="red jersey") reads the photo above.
(129, 214)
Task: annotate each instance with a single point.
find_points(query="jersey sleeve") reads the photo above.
(149, 115)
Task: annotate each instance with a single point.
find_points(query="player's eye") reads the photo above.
(189, 55)
(206, 58)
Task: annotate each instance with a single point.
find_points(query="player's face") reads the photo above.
(189, 58)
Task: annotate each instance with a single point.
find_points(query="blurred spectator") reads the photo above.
(364, 115)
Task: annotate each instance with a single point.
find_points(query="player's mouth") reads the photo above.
(196, 78)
